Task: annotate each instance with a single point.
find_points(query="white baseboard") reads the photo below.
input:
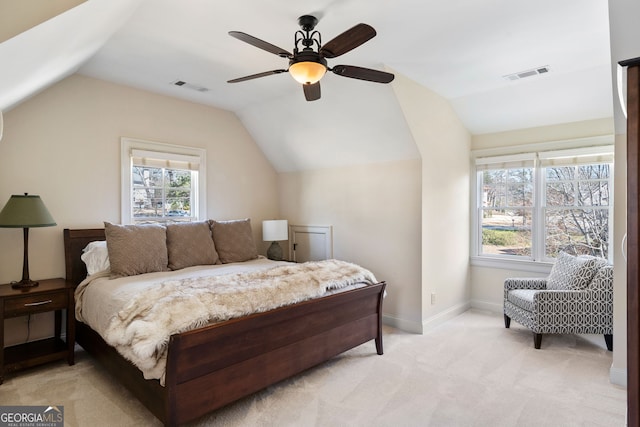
(486, 305)
(618, 376)
(443, 316)
(420, 328)
(402, 324)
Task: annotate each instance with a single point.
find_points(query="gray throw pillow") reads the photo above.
(572, 273)
(190, 243)
(136, 249)
(234, 240)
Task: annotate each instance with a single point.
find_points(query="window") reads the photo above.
(162, 182)
(532, 206)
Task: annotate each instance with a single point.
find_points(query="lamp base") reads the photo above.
(24, 284)
(274, 252)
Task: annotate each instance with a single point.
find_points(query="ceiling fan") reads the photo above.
(307, 66)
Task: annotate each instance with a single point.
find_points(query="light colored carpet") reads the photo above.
(469, 371)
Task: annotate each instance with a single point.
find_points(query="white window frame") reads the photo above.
(165, 151)
(538, 263)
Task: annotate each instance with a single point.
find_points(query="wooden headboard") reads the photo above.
(74, 242)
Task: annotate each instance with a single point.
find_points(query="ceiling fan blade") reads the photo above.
(311, 91)
(260, 44)
(255, 76)
(363, 73)
(347, 41)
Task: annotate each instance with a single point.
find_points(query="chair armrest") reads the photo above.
(525, 283)
(561, 295)
(597, 296)
(574, 309)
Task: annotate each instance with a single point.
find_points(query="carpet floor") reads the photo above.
(468, 371)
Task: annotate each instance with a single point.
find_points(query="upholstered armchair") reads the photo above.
(576, 298)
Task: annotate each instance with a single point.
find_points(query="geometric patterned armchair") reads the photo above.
(576, 298)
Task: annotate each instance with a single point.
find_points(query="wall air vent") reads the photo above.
(527, 73)
(191, 86)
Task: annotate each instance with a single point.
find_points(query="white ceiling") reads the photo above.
(460, 49)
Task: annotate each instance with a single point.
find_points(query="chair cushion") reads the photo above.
(522, 298)
(572, 273)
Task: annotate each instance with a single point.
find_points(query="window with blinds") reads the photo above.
(163, 182)
(532, 206)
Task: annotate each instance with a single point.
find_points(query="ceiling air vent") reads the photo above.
(527, 73)
(191, 86)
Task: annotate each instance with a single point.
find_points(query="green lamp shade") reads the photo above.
(25, 211)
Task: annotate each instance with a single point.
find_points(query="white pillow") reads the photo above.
(96, 257)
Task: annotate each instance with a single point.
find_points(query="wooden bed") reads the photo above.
(213, 366)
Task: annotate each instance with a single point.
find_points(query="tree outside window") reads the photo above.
(161, 193)
(546, 206)
(162, 182)
(577, 210)
(507, 210)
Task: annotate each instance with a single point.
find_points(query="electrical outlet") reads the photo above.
(433, 298)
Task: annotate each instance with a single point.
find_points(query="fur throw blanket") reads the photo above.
(141, 331)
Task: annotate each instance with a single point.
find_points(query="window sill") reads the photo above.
(512, 264)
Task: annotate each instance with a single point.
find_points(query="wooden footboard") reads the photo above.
(248, 354)
(213, 366)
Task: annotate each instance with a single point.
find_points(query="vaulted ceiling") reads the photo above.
(460, 49)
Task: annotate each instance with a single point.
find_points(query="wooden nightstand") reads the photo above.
(51, 295)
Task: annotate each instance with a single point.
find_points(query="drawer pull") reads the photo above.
(38, 303)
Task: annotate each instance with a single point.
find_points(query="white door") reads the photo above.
(310, 243)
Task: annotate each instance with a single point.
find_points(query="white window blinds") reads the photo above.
(157, 159)
(554, 158)
(583, 156)
(514, 161)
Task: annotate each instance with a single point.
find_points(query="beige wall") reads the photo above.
(407, 221)
(487, 283)
(64, 144)
(561, 132)
(444, 146)
(19, 16)
(375, 214)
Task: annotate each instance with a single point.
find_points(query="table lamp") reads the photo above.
(272, 231)
(25, 212)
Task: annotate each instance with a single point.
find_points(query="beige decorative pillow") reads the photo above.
(136, 249)
(234, 240)
(190, 243)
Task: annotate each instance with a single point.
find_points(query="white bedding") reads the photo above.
(122, 312)
(99, 299)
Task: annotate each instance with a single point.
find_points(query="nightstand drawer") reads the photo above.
(34, 303)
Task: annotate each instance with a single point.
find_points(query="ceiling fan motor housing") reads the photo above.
(307, 22)
(308, 55)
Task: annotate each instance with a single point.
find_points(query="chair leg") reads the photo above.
(507, 321)
(608, 339)
(537, 340)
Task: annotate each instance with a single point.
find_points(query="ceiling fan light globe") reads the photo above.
(307, 72)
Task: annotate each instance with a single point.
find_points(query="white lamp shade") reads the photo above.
(274, 230)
